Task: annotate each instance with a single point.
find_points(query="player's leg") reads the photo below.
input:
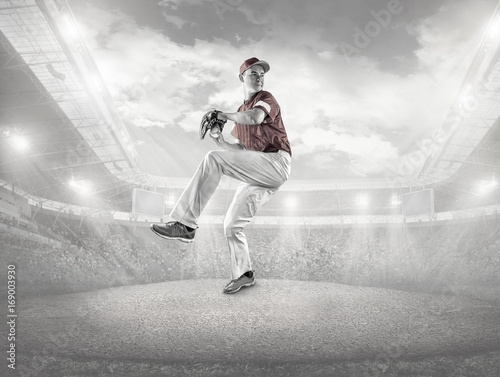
(257, 168)
(246, 202)
(192, 201)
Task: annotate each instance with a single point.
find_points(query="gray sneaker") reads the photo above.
(235, 285)
(173, 230)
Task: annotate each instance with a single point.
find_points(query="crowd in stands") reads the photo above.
(96, 255)
(7, 219)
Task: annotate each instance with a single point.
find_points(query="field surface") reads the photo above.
(275, 323)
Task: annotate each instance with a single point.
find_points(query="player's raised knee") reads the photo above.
(212, 155)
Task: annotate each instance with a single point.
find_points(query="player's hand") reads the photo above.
(221, 142)
(222, 116)
(218, 139)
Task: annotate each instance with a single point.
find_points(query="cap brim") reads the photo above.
(263, 64)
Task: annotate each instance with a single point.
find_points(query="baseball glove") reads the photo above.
(210, 121)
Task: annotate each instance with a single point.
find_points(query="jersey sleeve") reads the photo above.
(268, 104)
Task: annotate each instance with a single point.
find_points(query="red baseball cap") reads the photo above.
(253, 61)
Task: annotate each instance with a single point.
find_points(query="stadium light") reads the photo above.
(170, 201)
(486, 186)
(20, 143)
(70, 29)
(363, 201)
(292, 202)
(81, 187)
(493, 32)
(395, 200)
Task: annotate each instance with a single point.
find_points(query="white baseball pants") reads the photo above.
(261, 175)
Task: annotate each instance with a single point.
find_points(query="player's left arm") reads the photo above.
(251, 117)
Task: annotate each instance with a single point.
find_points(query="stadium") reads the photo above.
(391, 273)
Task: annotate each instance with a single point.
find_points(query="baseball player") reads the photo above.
(260, 158)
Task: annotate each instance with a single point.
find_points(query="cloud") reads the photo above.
(151, 77)
(331, 105)
(176, 21)
(367, 154)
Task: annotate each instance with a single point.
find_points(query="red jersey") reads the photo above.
(269, 136)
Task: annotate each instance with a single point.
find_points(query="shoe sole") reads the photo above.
(185, 240)
(241, 286)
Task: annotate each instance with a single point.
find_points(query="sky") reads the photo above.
(361, 84)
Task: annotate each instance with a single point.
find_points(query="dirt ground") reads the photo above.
(192, 324)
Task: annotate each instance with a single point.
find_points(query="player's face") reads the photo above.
(253, 78)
